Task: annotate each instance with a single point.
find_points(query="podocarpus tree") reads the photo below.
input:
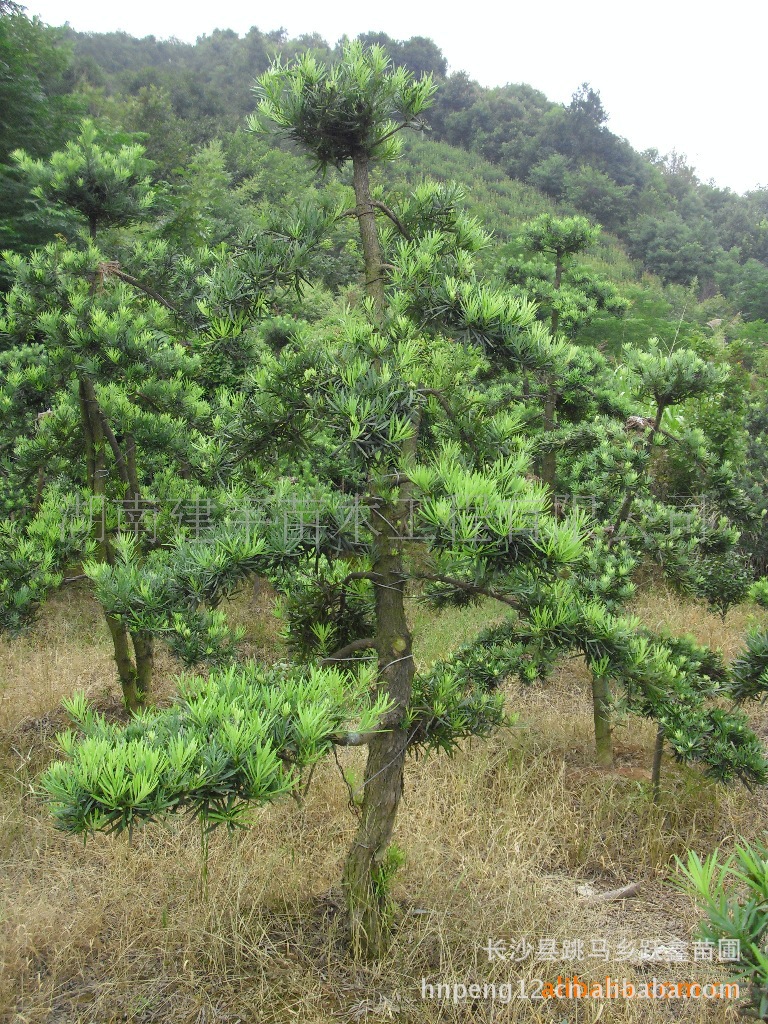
(107, 185)
(566, 300)
(383, 406)
(106, 389)
(120, 423)
(380, 395)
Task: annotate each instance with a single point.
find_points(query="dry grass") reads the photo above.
(498, 840)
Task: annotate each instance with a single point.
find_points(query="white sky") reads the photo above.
(672, 74)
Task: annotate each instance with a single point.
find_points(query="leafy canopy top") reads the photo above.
(352, 109)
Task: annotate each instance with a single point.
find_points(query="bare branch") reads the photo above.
(111, 268)
(352, 739)
(616, 894)
(393, 217)
(470, 588)
(343, 653)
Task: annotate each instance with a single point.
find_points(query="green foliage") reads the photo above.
(457, 698)
(33, 556)
(108, 184)
(173, 592)
(561, 237)
(35, 94)
(239, 737)
(354, 451)
(734, 895)
(354, 107)
(38, 110)
(673, 378)
(324, 609)
(750, 669)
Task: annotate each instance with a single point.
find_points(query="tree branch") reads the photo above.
(343, 653)
(469, 588)
(393, 217)
(449, 412)
(122, 466)
(359, 576)
(354, 211)
(352, 739)
(111, 268)
(394, 131)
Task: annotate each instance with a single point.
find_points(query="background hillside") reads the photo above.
(678, 227)
(690, 259)
(181, 96)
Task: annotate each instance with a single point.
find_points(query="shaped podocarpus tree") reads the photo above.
(354, 111)
(386, 399)
(122, 416)
(105, 396)
(382, 405)
(566, 300)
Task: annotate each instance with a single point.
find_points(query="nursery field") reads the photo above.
(509, 843)
(342, 482)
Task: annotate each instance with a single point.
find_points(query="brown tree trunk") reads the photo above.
(549, 459)
(93, 436)
(143, 647)
(368, 903)
(366, 218)
(133, 695)
(601, 705)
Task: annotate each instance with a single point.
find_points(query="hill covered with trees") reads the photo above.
(181, 95)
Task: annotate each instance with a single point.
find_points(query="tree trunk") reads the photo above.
(365, 884)
(368, 902)
(658, 753)
(629, 497)
(133, 695)
(601, 703)
(366, 218)
(549, 459)
(143, 647)
(93, 436)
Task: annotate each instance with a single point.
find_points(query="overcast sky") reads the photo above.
(671, 75)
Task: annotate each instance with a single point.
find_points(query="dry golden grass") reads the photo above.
(498, 840)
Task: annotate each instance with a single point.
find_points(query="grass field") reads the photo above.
(510, 839)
